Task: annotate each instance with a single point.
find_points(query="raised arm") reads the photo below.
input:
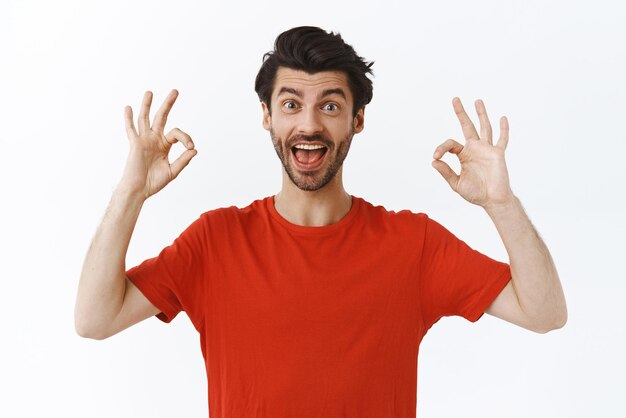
(534, 298)
(107, 302)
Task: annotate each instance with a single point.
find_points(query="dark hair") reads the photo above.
(312, 49)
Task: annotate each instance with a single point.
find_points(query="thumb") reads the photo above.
(448, 174)
(182, 161)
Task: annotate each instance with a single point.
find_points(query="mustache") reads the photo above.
(310, 138)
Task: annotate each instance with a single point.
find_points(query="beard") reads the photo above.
(311, 181)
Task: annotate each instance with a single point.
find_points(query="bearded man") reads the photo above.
(313, 302)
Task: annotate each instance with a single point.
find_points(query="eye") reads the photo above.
(291, 105)
(331, 106)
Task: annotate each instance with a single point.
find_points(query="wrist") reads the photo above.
(495, 208)
(128, 191)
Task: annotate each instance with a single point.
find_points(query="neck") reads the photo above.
(322, 207)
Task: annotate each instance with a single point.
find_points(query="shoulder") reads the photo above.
(404, 230)
(405, 218)
(401, 217)
(233, 214)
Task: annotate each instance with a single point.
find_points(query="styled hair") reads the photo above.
(312, 50)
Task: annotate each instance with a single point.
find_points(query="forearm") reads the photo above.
(534, 274)
(103, 280)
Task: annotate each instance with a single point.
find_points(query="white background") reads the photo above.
(68, 68)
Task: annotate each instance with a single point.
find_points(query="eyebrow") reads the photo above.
(325, 93)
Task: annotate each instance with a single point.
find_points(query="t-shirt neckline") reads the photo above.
(314, 230)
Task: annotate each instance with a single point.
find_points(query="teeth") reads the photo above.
(308, 146)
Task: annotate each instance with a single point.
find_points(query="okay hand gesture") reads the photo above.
(484, 179)
(147, 168)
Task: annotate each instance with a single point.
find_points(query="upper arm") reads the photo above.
(135, 308)
(506, 306)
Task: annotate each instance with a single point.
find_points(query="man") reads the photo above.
(313, 302)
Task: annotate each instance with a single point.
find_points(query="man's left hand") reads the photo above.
(484, 179)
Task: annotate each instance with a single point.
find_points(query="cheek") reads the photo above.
(281, 129)
(341, 127)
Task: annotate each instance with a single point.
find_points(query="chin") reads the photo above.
(312, 181)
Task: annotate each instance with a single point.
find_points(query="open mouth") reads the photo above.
(308, 156)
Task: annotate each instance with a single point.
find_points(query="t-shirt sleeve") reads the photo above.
(175, 280)
(456, 280)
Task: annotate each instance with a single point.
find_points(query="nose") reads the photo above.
(309, 122)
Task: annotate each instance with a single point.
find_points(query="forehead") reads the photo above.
(311, 84)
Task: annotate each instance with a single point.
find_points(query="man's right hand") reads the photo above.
(147, 168)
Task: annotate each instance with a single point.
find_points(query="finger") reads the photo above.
(504, 133)
(449, 145)
(128, 120)
(182, 161)
(469, 132)
(485, 125)
(144, 113)
(176, 135)
(448, 174)
(161, 116)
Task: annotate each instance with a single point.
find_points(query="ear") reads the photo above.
(359, 120)
(267, 118)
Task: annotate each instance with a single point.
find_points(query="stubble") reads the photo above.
(312, 180)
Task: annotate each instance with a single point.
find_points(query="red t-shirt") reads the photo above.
(311, 322)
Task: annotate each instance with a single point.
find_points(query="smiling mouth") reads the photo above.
(308, 159)
(308, 156)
